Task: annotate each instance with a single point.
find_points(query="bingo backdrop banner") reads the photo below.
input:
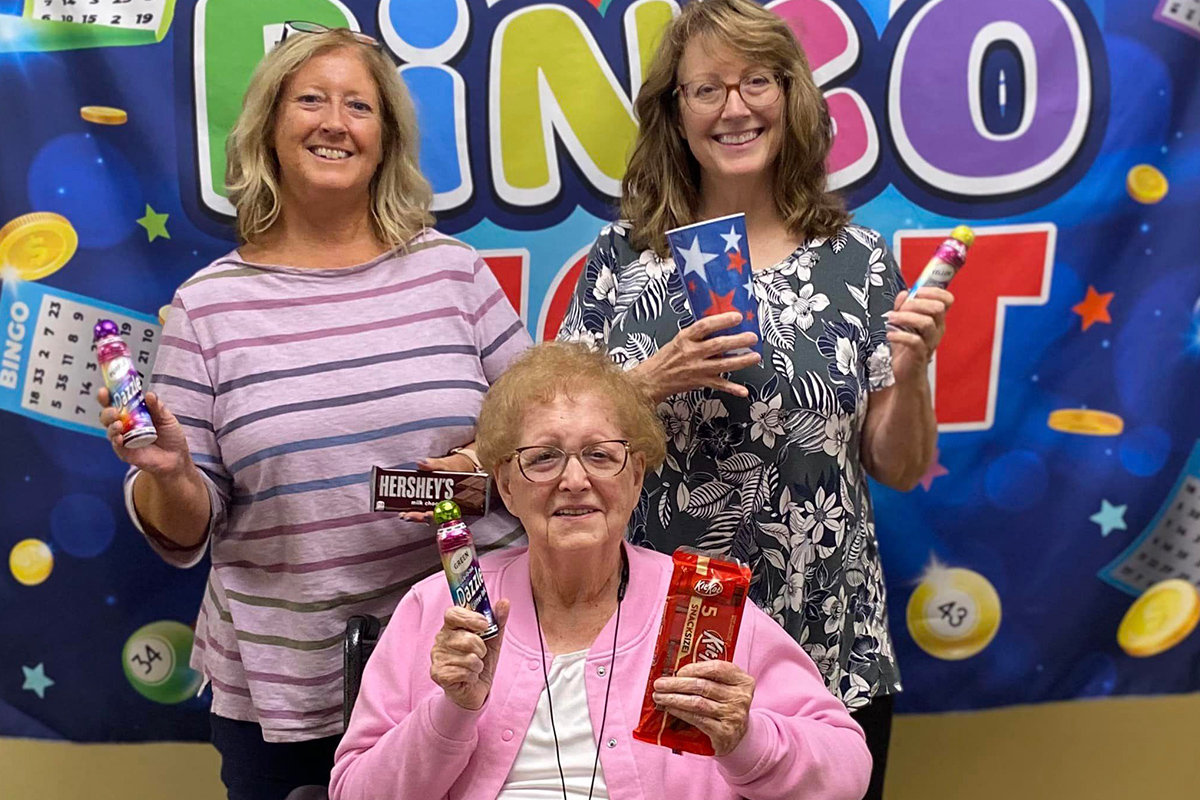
(1067, 132)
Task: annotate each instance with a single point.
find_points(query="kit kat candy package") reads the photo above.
(700, 623)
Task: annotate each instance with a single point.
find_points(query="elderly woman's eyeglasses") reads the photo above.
(298, 26)
(541, 463)
(704, 97)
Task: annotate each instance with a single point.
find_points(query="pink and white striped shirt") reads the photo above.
(291, 383)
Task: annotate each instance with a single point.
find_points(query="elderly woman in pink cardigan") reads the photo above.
(549, 705)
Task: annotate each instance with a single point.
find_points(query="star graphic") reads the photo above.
(36, 680)
(749, 314)
(749, 287)
(1093, 308)
(732, 239)
(936, 470)
(1109, 518)
(692, 286)
(155, 224)
(720, 303)
(694, 259)
(737, 262)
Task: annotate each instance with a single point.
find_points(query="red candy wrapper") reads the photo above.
(700, 623)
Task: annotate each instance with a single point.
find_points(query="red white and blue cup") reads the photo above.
(713, 259)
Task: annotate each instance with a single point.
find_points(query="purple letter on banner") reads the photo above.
(940, 89)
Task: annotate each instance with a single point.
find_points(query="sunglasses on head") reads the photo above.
(296, 27)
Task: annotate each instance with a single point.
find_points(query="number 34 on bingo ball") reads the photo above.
(156, 658)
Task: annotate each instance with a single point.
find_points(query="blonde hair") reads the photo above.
(557, 369)
(661, 187)
(400, 195)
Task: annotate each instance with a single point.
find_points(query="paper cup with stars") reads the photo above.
(156, 659)
(713, 259)
(954, 613)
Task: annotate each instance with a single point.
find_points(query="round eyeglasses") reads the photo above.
(299, 26)
(541, 463)
(706, 96)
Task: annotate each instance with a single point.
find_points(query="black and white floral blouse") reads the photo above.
(774, 479)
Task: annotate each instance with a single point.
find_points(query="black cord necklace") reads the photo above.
(607, 687)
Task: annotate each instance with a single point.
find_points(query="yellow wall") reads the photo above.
(1121, 749)
(1137, 749)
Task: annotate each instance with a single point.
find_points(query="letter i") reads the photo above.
(425, 34)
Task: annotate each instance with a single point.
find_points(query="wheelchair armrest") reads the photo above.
(362, 634)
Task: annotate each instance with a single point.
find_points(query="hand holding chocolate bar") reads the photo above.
(416, 491)
(714, 696)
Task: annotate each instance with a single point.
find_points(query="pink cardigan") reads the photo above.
(406, 740)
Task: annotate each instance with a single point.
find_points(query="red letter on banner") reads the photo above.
(558, 296)
(511, 268)
(1009, 265)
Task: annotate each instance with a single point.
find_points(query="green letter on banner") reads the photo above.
(231, 37)
(548, 76)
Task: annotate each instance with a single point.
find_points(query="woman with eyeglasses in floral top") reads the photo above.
(768, 456)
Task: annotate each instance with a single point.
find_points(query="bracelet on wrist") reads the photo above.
(470, 454)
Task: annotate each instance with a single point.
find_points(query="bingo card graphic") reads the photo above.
(153, 16)
(1170, 545)
(1181, 14)
(48, 368)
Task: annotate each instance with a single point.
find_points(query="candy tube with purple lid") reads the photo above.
(124, 384)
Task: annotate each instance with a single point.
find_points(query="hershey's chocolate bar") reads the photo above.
(418, 490)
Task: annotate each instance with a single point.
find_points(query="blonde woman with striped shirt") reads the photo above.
(342, 333)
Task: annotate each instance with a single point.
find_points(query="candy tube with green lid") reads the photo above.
(461, 563)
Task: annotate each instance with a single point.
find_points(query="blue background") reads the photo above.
(1014, 507)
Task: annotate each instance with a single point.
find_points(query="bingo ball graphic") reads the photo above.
(156, 657)
(31, 561)
(954, 613)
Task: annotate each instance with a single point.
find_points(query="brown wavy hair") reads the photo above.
(400, 195)
(661, 187)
